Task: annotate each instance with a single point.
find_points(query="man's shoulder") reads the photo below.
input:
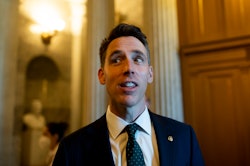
(90, 131)
(170, 123)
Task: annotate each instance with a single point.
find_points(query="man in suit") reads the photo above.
(126, 71)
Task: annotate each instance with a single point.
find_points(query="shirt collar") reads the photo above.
(117, 124)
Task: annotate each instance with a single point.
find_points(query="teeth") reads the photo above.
(129, 84)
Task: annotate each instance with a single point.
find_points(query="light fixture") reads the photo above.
(46, 17)
(48, 32)
(50, 28)
(47, 36)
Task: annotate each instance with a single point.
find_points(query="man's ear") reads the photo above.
(101, 76)
(150, 74)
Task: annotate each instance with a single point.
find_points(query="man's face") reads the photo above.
(126, 71)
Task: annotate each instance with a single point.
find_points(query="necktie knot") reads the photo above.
(131, 129)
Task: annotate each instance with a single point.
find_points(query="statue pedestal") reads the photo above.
(32, 154)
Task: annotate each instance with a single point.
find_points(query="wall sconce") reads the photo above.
(47, 36)
(47, 20)
(47, 33)
(50, 28)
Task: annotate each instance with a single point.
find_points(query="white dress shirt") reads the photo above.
(146, 138)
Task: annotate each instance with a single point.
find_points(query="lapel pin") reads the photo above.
(170, 138)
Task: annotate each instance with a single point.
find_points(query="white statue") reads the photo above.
(35, 123)
(34, 119)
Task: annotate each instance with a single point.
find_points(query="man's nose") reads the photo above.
(128, 67)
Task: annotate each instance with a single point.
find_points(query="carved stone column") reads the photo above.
(161, 26)
(100, 17)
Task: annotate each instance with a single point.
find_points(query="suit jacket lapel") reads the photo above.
(104, 146)
(165, 140)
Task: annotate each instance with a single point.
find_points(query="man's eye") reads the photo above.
(116, 60)
(139, 60)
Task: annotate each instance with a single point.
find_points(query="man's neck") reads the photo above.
(129, 114)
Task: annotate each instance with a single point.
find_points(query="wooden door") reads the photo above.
(216, 91)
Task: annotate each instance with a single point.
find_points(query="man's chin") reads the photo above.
(129, 103)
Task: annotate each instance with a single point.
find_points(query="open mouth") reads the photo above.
(129, 84)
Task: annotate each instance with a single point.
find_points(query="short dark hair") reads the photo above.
(120, 31)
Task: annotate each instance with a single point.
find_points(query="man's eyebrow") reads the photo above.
(138, 51)
(115, 52)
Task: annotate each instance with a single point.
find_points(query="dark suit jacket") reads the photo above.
(90, 145)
